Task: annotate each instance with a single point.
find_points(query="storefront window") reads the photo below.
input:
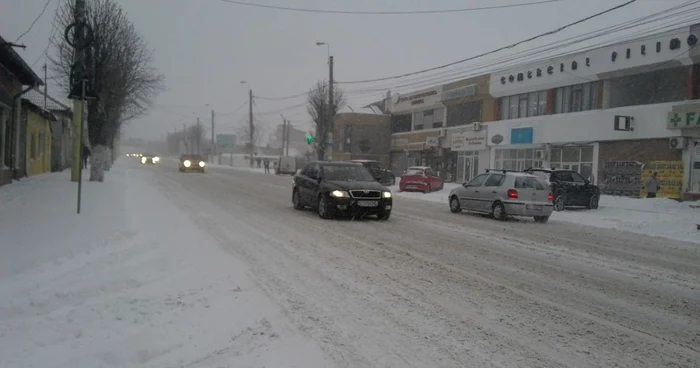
(574, 158)
(524, 105)
(516, 159)
(579, 97)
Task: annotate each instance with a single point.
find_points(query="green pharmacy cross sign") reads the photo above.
(683, 120)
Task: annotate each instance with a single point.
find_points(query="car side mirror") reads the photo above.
(466, 185)
(588, 182)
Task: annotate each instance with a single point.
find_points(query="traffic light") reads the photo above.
(309, 138)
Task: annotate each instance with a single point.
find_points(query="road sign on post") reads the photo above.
(225, 143)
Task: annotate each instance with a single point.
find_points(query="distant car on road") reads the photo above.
(192, 163)
(569, 188)
(149, 158)
(504, 193)
(381, 174)
(334, 188)
(420, 178)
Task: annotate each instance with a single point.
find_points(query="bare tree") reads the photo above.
(317, 107)
(259, 131)
(196, 135)
(119, 65)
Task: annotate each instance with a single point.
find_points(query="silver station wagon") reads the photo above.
(502, 193)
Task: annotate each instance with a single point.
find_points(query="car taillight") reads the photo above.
(512, 193)
(550, 197)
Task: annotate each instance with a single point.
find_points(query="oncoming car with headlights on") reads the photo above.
(192, 163)
(340, 188)
(148, 158)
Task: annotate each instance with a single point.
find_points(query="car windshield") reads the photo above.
(346, 173)
(191, 158)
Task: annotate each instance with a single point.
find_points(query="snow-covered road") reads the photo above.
(432, 289)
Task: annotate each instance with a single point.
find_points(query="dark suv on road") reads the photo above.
(382, 175)
(334, 188)
(569, 188)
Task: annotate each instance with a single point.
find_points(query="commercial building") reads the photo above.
(604, 113)
(614, 114)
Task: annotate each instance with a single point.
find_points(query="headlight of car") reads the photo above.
(339, 194)
(156, 159)
(187, 163)
(201, 164)
(143, 160)
(386, 194)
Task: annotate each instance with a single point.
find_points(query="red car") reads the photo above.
(420, 178)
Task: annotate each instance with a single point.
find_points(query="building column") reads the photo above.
(496, 109)
(690, 76)
(551, 99)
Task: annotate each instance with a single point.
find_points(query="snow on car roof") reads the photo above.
(418, 168)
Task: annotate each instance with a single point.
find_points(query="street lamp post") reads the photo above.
(251, 127)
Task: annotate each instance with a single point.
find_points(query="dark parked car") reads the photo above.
(569, 188)
(149, 158)
(334, 188)
(381, 174)
(192, 163)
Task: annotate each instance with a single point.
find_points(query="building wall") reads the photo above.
(9, 86)
(359, 136)
(38, 144)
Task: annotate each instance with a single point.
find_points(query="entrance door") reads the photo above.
(467, 168)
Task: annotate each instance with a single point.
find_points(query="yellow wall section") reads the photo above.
(41, 161)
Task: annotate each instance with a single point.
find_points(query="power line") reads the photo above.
(496, 50)
(52, 33)
(35, 20)
(407, 12)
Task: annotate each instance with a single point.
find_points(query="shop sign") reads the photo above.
(432, 142)
(399, 142)
(521, 135)
(683, 120)
(417, 100)
(469, 141)
(462, 92)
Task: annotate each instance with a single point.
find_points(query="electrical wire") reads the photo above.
(52, 34)
(407, 12)
(496, 50)
(35, 20)
(531, 54)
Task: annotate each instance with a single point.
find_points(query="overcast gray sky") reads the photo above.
(206, 47)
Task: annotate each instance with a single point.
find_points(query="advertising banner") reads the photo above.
(621, 178)
(670, 177)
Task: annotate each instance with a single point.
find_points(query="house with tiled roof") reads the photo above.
(61, 158)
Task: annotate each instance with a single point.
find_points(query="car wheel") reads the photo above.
(296, 201)
(560, 202)
(384, 215)
(499, 211)
(324, 210)
(427, 189)
(541, 219)
(593, 202)
(454, 205)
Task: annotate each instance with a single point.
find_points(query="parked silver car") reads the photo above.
(504, 193)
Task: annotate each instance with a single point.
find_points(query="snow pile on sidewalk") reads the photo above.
(130, 282)
(661, 217)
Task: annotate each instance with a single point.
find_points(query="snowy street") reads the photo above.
(218, 270)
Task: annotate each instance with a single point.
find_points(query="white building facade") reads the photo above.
(613, 114)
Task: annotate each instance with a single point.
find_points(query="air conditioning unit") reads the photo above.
(677, 143)
(442, 133)
(477, 126)
(624, 123)
(540, 154)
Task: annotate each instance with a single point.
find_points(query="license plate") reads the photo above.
(411, 186)
(368, 203)
(536, 207)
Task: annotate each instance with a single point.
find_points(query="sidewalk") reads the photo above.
(130, 282)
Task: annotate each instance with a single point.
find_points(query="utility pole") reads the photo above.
(251, 126)
(197, 136)
(46, 88)
(289, 125)
(184, 138)
(79, 62)
(284, 133)
(213, 144)
(331, 110)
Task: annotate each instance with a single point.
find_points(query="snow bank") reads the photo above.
(130, 282)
